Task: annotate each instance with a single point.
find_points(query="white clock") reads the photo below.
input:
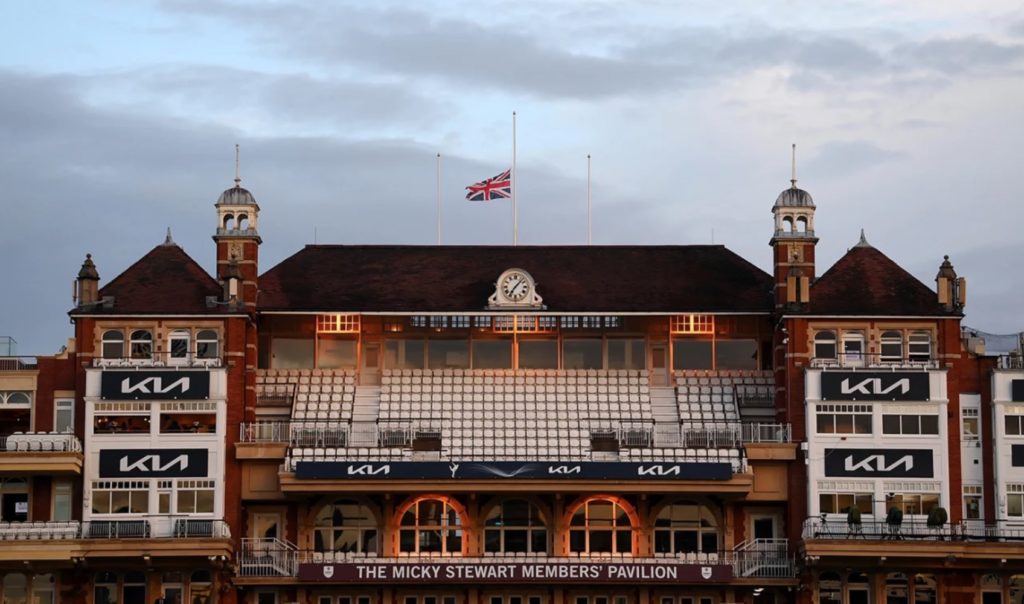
(515, 286)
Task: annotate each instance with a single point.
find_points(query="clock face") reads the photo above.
(515, 286)
(235, 250)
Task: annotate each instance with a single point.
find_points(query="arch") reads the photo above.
(825, 344)
(346, 525)
(787, 224)
(228, 220)
(141, 344)
(431, 524)
(243, 222)
(515, 525)
(602, 524)
(685, 526)
(17, 398)
(112, 344)
(801, 224)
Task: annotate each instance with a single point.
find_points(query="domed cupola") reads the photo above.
(794, 197)
(794, 244)
(237, 238)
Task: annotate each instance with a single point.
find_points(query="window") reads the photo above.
(62, 501)
(1014, 425)
(626, 354)
(120, 497)
(515, 526)
(840, 503)
(207, 344)
(972, 501)
(178, 344)
(825, 345)
(448, 354)
(120, 423)
(64, 415)
(336, 354)
(920, 346)
(600, 527)
(853, 348)
(113, 344)
(16, 398)
(403, 354)
(538, 354)
(492, 354)
(200, 587)
(913, 503)
(736, 354)
(345, 526)
(692, 354)
(892, 347)
(685, 528)
(581, 354)
(969, 418)
(337, 323)
(430, 526)
(1015, 500)
(692, 324)
(844, 419)
(105, 588)
(291, 353)
(195, 497)
(910, 424)
(141, 345)
(188, 418)
(135, 588)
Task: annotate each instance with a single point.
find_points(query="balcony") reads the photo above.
(756, 562)
(158, 359)
(41, 453)
(910, 530)
(1011, 361)
(873, 361)
(18, 363)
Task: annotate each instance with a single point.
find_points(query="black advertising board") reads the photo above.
(480, 572)
(155, 385)
(154, 463)
(874, 386)
(1017, 456)
(509, 470)
(1017, 391)
(879, 463)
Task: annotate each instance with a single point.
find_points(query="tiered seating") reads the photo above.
(711, 396)
(320, 394)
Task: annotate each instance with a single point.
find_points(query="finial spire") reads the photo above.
(238, 177)
(792, 179)
(168, 240)
(863, 240)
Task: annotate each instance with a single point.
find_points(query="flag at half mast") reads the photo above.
(497, 187)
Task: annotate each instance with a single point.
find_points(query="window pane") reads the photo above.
(691, 354)
(448, 354)
(1015, 505)
(626, 354)
(1012, 424)
(577, 540)
(581, 354)
(538, 354)
(736, 354)
(862, 423)
(204, 501)
(492, 354)
(291, 353)
(910, 424)
(890, 424)
(600, 541)
(929, 424)
(844, 423)
(826, 423)
(623, 542)
(336, 354)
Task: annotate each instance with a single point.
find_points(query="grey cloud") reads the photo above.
(956, 56)
(844, 158)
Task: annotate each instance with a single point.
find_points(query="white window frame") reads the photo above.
(119, 340)
(890, 337)
(917, 339)
(140, 337)
(853, 359)
(178, 357)
(64, 406)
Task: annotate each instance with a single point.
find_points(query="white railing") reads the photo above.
(35, 531)
(45, 442)
(1011, 361)
(766, 558)
(159, 359)
(267, 558)
(872, 361)
(909, 529)
(18, 363)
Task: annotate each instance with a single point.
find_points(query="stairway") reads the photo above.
(665, 412)
(365, 412)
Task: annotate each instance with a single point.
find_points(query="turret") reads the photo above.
(793, 244)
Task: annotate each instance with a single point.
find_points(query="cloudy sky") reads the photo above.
(119, 119)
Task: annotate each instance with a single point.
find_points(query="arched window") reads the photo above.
(207, 344)
(787, 224)
(801, 224)
(825, 345)
(178, 343)
(601, 527)
(685, 528)
(430, 526)
(228, 219)
(15, 398)
(113, 344)
(345, 526)
(892, 346)
(243, 222)
(142, 344)
(853, 348)
(515, 526)
(920, 346)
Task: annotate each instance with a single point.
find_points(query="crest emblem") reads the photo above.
(328, 571)
(705, 572)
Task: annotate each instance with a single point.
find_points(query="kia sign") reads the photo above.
(486, 572)
(155, 385)
(154, 463)
(880, 463)
(509, 470)
(874, 386)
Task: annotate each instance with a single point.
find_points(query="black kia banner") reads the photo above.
(155, 385)
(874, 386)
(1017, 391)
(879, 463)
(1017, 456)
(508, 470)
(154, 463)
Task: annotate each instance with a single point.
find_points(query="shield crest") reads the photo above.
(328, 571)
(705, 572)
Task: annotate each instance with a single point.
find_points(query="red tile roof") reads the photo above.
(164, 281)
(867, 282)
(661, 279)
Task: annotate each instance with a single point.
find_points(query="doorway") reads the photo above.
(659, 364)
(370, 364)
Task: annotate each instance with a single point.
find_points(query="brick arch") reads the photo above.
(636, 527)
(401, 509)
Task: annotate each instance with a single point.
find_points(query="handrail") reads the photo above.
(874, 361)
(161, 360)
(912, 529)
(18, 363)
(44, 442)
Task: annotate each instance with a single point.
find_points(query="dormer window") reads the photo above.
(113, 344)
(825, 345)
(141, 344)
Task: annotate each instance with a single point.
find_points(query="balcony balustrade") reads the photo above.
(159, 359)
(44, 442)
(910, 530)
(873, 361)
(133, 528)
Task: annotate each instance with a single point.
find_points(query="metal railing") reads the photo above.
(165, 527)
(275, 395)
(191, 359)
(19, 363)
(278, 558)
(45, 442)
(1010, 361)
(766, 433)
(914, 529)
(750, 395)
(873, 360)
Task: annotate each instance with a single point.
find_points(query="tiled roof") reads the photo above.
(698, 278)
(164, 281)
(867, 282)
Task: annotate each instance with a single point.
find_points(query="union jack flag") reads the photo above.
(497, 187)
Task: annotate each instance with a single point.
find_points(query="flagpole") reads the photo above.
(438, 199)
(515, 209)
(588, 200)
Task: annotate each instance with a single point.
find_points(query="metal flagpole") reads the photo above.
(588, 200)
(438, 199)
(515, 209)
